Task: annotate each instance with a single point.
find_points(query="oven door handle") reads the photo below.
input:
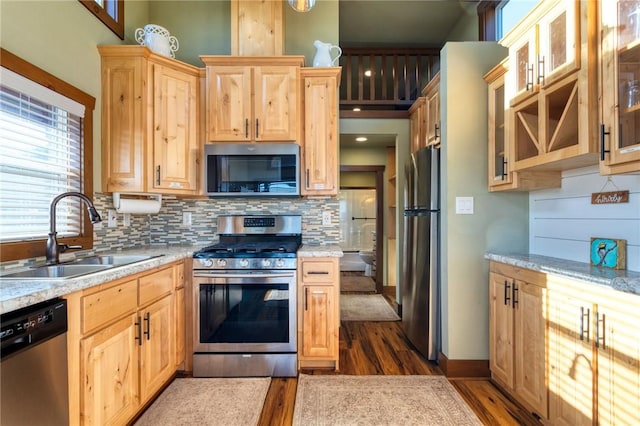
(232, 275)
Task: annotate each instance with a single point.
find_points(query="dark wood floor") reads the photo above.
(372, 348)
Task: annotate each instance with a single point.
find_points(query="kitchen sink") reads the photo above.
(57, 272)
(114, 260)
(78, 267)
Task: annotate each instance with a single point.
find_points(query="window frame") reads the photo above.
(34, 248)
(114, 23)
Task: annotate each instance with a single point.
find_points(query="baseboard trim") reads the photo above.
(463, 367)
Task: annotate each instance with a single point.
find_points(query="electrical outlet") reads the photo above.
(112, 218)
(326, 218)
(186, 219)
(126, 220)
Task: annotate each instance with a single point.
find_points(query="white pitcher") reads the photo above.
(323, 54)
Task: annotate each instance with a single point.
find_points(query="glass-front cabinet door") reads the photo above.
(620, 82)
(559, 44)
(499, 173)
(522, 59)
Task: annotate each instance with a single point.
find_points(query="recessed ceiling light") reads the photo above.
(356, 109)
(361, 139)
(368, 73)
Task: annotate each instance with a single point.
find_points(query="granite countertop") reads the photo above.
(622, 280)
(16, 294)
(317, 250)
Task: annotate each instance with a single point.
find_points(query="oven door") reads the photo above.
(241, 311)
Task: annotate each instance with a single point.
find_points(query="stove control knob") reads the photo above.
(244, 263)
(266, 263)
(280, 263)
(206, 262)
(221, 263)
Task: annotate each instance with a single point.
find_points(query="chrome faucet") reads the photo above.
(54, 249)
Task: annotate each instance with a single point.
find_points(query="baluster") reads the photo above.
(395, 78)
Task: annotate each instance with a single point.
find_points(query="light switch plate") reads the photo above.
(112, 218)
(126, 220)
(464, 205)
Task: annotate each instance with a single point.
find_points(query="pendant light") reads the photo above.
(301, 5)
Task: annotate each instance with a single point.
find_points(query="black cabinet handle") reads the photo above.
(307, 182)
(603, 133)
(158, 175)
(147, 320)
(139, 333)
(515, 295)
(504, 168)
(436, 131)
(598, 336)
(318, 273)
(584, 314)
(306, 297)
(529, 77)
(257, 128)
(541, 70)
(246, 127)
(507, 297)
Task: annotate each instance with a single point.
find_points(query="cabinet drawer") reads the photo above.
(319, 272)
(106, 305)
(155, 285)
(520, 274)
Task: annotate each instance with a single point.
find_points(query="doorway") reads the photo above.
(364, 226)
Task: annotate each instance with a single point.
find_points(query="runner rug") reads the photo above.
(204, 401)
(379, 400)
(366, 307)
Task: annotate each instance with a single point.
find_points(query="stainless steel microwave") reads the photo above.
(252, 169)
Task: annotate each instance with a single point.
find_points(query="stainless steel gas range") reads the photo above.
(245, 298)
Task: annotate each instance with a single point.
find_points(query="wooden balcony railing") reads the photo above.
(397, 76)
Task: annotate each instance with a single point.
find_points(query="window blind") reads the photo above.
(41, 157)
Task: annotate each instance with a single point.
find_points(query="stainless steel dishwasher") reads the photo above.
(33, 367)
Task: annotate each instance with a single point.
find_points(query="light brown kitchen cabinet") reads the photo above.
(252, 99)
(318, 312)
(551, 86)
(320, 136)
(257, 28)
(594, 354)
(149, 122)
(620, 86)
(502, 177)
(121, 345)
(180, 313)
(431, 92)
(418, 124)
(517, 334)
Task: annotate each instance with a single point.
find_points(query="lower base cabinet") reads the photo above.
(318, 312)
(122, 345)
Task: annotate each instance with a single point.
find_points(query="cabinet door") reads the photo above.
(175, 144)
(417, 124)
(319, 323)
(276, 104)
(618, 335)
(180, 326)
(571, 363)
(559, 42)
(620, 86)
(157, 353)
(109, 374)
(498, 148)
(530, 344)
(257, 28)
(320, 136)
(501, 325)
(123, 132)
(522, 61)
(433, 117)
(229, 103)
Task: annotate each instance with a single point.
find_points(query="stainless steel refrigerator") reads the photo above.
(421, 266)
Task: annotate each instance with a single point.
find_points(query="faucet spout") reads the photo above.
(53, 249)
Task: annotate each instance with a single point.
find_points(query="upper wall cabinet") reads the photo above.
(149, 122)
(320, 139)
(620, 83)
(431, 93)
(252, 98)
(418, 124)
(257, 28)
(502, 177)
(551, 86)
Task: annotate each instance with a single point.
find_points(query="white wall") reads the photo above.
(563, 220)
(500, 221)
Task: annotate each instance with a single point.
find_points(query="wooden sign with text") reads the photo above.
(614, 197)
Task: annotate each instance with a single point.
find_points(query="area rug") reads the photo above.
(219, 401)
(366, 307)
(379, 400)
(357, 283)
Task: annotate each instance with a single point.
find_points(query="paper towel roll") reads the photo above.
(138, 206)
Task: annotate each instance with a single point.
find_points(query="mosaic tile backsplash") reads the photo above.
(166, 227)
